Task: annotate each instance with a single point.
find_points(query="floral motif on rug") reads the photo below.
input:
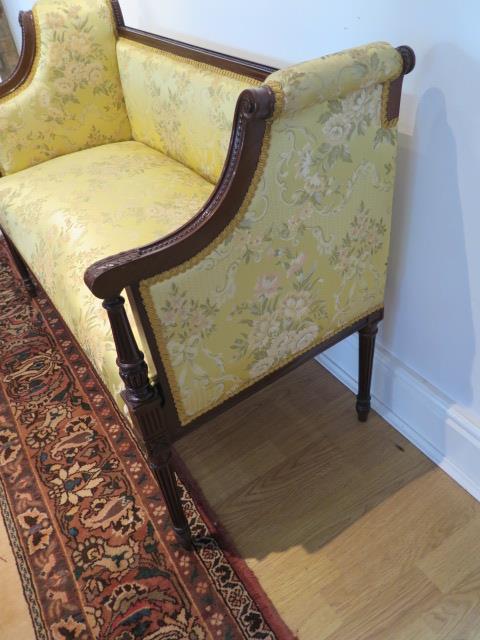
(87, 524)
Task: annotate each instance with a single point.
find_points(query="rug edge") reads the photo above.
(228, 546)
(223, 538)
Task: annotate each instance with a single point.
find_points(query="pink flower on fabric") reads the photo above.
(267, 286)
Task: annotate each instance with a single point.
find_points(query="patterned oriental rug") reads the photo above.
(86, 547)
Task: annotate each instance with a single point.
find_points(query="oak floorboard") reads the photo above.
(353, 533)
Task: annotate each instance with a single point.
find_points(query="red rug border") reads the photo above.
(223, 538)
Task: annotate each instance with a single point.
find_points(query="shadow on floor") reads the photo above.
(292, 466)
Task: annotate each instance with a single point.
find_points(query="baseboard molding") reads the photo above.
(418, 410)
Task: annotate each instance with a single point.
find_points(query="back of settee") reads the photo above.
(179, 106)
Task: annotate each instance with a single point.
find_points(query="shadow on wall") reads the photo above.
(429, 322)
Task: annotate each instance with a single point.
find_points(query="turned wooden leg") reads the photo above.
(148, 419)
(365, 367)
(21, 267)
(145, 406)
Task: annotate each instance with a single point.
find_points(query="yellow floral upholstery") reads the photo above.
(307, 253)
(73, 98)
(334, 76)
(180, 107)
(64, 214)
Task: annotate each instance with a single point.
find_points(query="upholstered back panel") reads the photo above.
(179, 106)
(73, 97)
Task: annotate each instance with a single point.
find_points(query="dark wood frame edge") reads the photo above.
(110, 275)
(200, 54)
(178, 431)
(27, 55)
(107, 277)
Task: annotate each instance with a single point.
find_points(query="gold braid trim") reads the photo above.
(203, 66)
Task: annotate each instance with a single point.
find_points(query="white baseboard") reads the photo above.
(419, 411)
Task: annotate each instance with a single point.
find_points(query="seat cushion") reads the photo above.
(66, 213)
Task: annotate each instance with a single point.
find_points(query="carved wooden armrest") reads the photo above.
(107, 277)
(309, 183)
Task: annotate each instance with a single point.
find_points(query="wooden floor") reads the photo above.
(352, 532)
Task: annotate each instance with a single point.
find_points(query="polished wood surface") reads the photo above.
(366, 352)
(144, 403)
(353, 533)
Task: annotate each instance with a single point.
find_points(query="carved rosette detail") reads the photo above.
(408, 56)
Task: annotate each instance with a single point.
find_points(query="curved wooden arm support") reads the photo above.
(117, 14)
(106, 278)
(27, 55)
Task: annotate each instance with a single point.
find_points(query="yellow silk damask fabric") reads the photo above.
(336, 75)
(73, 98)
(179, 106)
(65, 214)
(305, 256)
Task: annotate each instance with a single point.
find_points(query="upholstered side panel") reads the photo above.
(73, 98)
(179, 106)
(305, 256)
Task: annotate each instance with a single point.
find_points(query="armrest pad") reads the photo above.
(72, 98)
(337, 75)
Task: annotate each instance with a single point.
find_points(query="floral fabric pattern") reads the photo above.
(336, 75)
(190, 106)
(73, 99)
(65, 214)
(306, 257)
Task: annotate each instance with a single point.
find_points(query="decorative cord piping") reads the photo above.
(204, 66)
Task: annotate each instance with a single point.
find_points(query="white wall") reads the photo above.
(12, 8)
(432, 323)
